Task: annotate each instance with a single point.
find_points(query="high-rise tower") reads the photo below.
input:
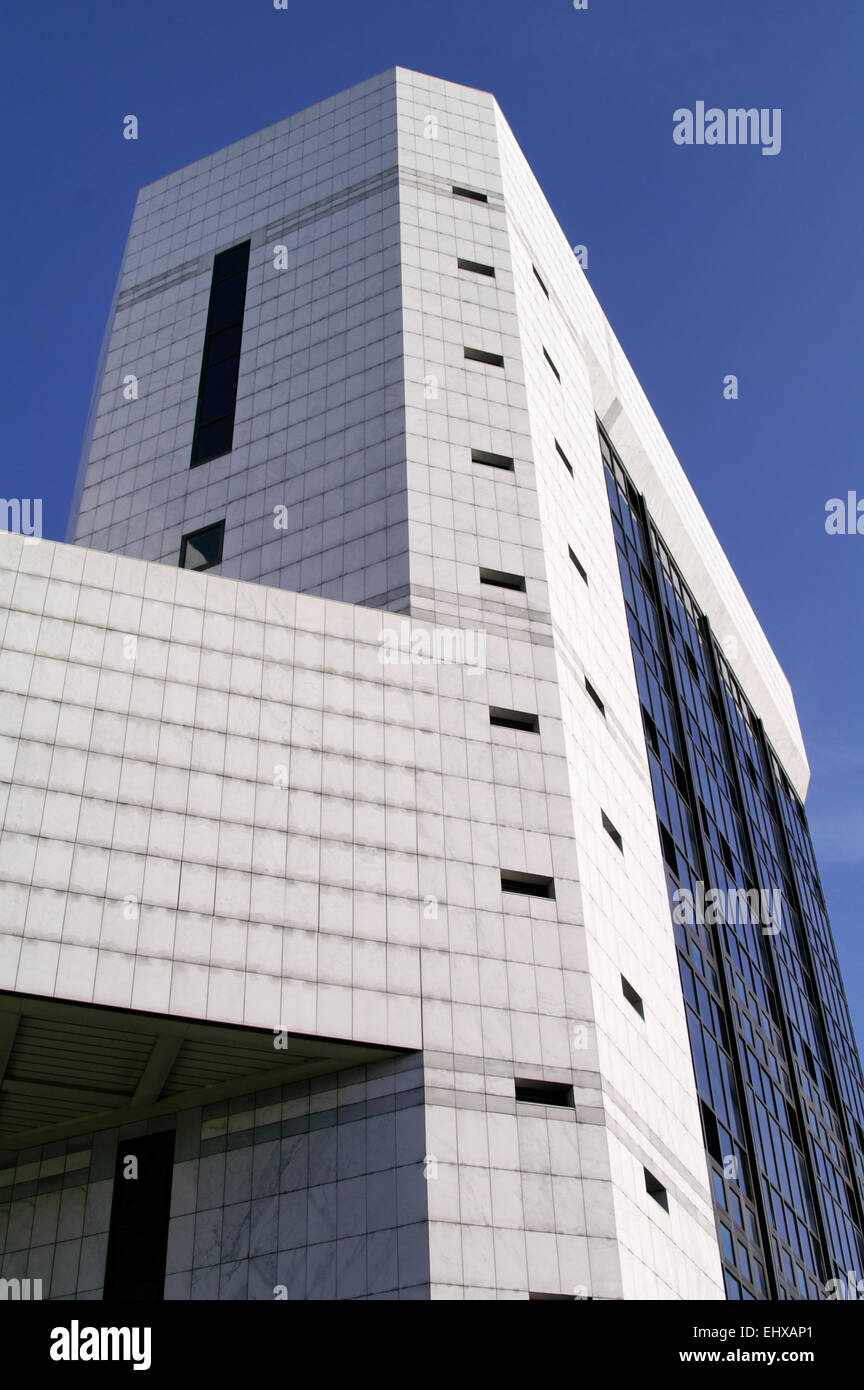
(392, 696)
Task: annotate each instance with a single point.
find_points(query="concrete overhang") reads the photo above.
(72, 1068)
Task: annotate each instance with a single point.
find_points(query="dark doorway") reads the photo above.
(138, 1233)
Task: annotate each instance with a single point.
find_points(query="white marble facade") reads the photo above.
(312, 816)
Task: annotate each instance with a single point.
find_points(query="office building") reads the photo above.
(392, 760)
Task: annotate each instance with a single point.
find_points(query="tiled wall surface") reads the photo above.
(645, 1063)
(312, 831)
(295, 816)
(320, 417)
(312, 835)
(464, 515)
(521, 1200)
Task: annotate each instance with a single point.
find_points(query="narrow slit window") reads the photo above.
(614, 835)
(513, 719)
(552, 365)
(529, 885)
(492, 460)
(577, 563)
(655, 1188)
(540, 281)
(595, 697)
(632, 997)
(478, 267)
(501, 579)
(201, 550)
(531, 1092)
(564, 459)
(460, 192)
(220, 364)
(491, 359)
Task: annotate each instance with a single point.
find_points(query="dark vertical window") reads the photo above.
(217, 389)
(656, 1189)
(201, 550)
(138, 1232)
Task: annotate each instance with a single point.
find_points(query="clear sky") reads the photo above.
(707, 260)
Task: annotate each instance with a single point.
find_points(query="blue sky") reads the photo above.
(707, 261)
